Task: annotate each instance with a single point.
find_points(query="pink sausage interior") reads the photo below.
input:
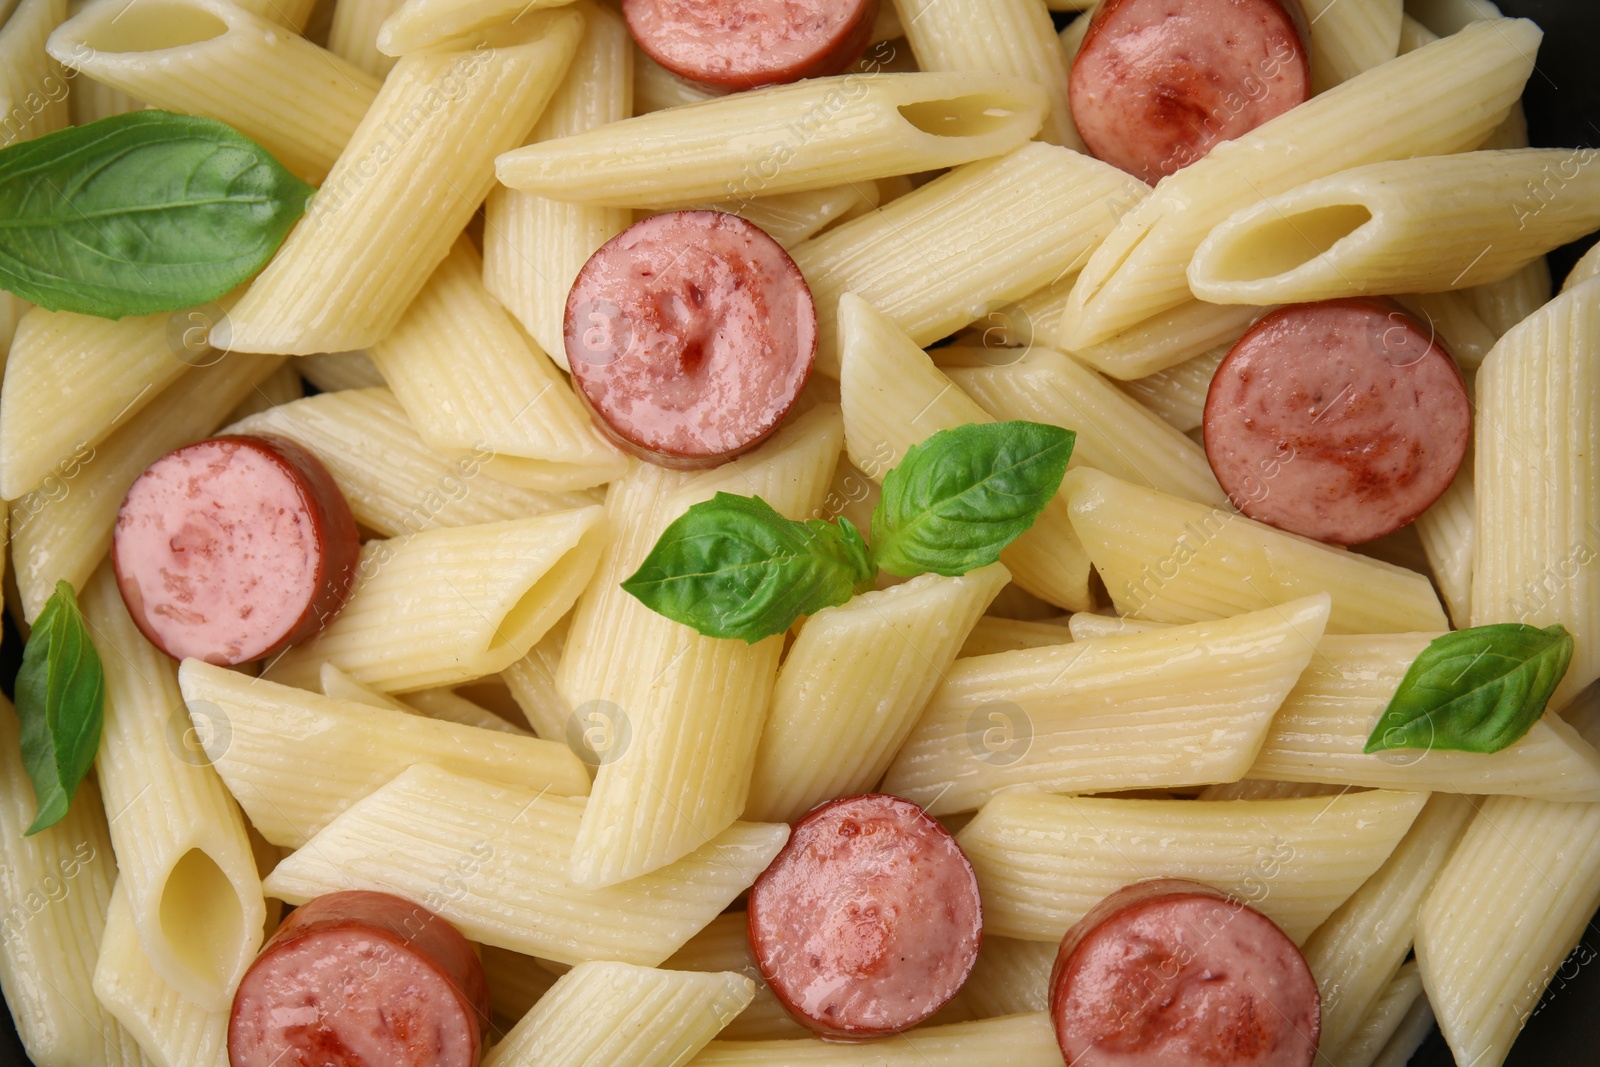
(743, 44)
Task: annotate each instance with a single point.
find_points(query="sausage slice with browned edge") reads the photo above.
(1342, 420)
(1170, 973)
(868, 921)
(361, 979)
(690, 336)
(1157, 83)
(728, 45)
(234, 548)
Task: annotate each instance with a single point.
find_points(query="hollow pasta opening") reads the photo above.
(962, 116)
(152, 26)
(201, 917)
(1284, 243)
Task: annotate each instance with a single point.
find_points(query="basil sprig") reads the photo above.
(140, 213)
(1476, 690)
(733, 567)
(61, 693)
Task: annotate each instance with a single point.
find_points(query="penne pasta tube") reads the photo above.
(852, 685)
(532, 683)
(332, 372)
(533, 248)
(353, 33)
(296, 760)
(976, 252)
(1263, 789)
(450, 605)
(446, 705)
(1169, 339)
(1413, 35)
(655, 88)
(62, 530)
(220, 61)
(1127, 712)
(1444, 17)
(1210, 563)
(616, 1013)
(724, 945)
(1043, 861)
(468, 378)
(1396, 1027)
(33, 87)
(1586, 267)
(682, 713)
(1536, 548)
(1355, 953)
(1177, 395)
(1349, 37)
(894, 398)
(492, 860)
(1115, 434)
(1452, 320)
(394, 482)
(1503, 304)
(853, 127)
(993, 634)
(1086, 626)
(790, 218)
(55, 888)
(1416, 225)
(516, 982)
(282, 386)
(1444, 97)
(1013, 1041)
(1002, 36)
(449, 25)
(92, 101)
(1010, 977)
(1319, 732)
(1448, 534)
(351, 267)
(180, 842)
(1487, 946)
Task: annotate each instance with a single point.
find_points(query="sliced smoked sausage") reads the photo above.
(361, 979)
(1342, 420)
(868, 921)
(1170, 973)
(233, 548)
(729, 45)
(690, 336)
(1157, 83)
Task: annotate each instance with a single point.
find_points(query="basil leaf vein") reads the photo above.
(140, 213)
(733, 567)
(61, 703)
(963, 495)
(1475, 690)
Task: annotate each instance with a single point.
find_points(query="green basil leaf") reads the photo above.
(733, 567)
(61, 693)
(140, 213)
(962, 495)
(1475, 690)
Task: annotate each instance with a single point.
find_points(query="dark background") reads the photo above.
(1563, 106)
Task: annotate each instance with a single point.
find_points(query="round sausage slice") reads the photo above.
(690, 336)
(868, 921)
(1170, 973)
(1157, 83)
(233, 548)
(729, 45)
(361, 979)
(1342, 420)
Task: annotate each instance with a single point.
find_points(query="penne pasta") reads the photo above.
(533, 248)
(994, 634)
(220, 61)
(855, 127)
(55, 888)
(62, 530)
(296, 760)
(1586, 267)
(468, 378)
(894, 398)
(852, 685)
(282, 386)
(724, 945)
(1131, 712)
(1416, 225)
(516, 982)
(1086, 626)
(1397, 1026)
(1211, 563)
(447, 705)
(1503, 304)
(180, 842)
(1002, 36)
(33, 87)
(1011, 977)
(394, 482)
(1453, 321)
(449, 605)
(1169, 339)
(1043, 861)
(1443, 97)
(491, 859)
(1349, 37)
(1413, 35)
(332, 372)
(1264, 789)
(1319, 733)
(1178, 394)
(790, 218)
(449, 25)
(1536, 549)
(353, 33)
(656, 88)
(604, 1014)
(532, 683)
(1448, 533)
(352, 266)
(1114, 434)
(1487, 946)
(979, 255)
(1013, 1041)
(90, 101)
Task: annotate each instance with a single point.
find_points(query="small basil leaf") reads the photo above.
(962, 495)
(733, 567)
(140, 213)
(1475, 690)
(61, 702)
